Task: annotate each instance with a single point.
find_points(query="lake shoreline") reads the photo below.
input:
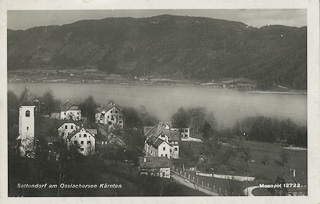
(292, 92)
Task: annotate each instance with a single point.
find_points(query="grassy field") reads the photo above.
(297, 161)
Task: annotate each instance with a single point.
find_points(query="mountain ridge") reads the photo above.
(197, 48)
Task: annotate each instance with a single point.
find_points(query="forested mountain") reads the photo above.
(194, 48)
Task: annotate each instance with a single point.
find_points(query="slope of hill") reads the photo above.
(195, 48)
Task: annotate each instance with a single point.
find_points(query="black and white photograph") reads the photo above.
(159, 102)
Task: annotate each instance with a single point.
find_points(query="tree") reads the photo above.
(266, 159)
(246, 154)
(88, 109)
(49, 103)
(207, 131)
(180, 119)
(284, 158)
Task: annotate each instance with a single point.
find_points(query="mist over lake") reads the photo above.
(228, 106)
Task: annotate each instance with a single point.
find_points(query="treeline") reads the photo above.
(265, 129)
(260, 128)
(198, 119)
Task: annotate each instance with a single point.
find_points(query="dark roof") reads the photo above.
(154, 162)
(27, 99)
(159, 129)
(147, 129)
(158, 142)
(172, 135)
(78, 130)
(69, 106)
(107, 108)
(150, 140)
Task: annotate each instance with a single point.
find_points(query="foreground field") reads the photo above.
(297, 160)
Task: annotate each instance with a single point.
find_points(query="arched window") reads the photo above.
(27, 113)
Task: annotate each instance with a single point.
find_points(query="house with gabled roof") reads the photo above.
(83, 139)
(70, 111)
(155, 147)
(67, 128)
(110, 115)
(161, 132)
(155, 166)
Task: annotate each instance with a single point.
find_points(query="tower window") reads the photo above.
(27, 113)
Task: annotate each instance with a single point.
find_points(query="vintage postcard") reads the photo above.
(155, 101)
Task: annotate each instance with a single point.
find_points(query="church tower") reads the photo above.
(27, 126)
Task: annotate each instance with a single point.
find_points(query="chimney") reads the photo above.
(144, 159)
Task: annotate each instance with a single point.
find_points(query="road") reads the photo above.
(188, 183)
(248, 191)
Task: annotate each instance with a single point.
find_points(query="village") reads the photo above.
(157, 155)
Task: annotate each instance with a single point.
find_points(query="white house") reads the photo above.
(66, 129)
(155, 147)
(169, 137)
(71, 111)
(83, 139)
(110, 115)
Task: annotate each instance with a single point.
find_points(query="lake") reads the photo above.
(228, 106)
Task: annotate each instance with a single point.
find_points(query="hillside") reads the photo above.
(192, 48)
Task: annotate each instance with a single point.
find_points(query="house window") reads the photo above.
(27, 128)
(88, 142)
(120, 121)
(66, 127)
(71, 126)
(116, 111)
(77, 113)
(65, 113)
(79, 135)
(110, 111)
(164, 148)
(107, 116)
(82, 149)
(81, 142)
(27, 113)
(166, 155)
(161, 155)
(75, 142)
(175, 149)
(84, 135)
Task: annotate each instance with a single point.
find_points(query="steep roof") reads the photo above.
(154, 162)
(69, 106)
(77, 131)
(159, 129)
(107, 108)
(158, 142)
(172, 135)
(27, 98)
(147, 129)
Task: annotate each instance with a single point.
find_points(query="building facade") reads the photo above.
(26, 129)
(70, 111)
(155, 166)
(110, 115)
(83, 139)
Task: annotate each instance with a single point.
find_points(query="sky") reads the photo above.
(24, 19)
